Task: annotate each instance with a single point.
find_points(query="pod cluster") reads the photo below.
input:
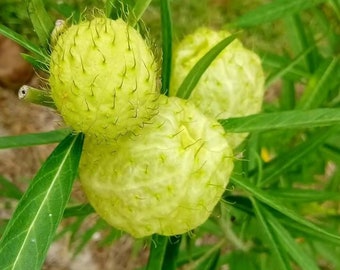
(150, 163)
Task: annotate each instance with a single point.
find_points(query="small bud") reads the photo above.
(59, 27)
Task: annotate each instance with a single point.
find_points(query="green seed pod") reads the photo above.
(103, 78)
(166, 180)
(232, 86)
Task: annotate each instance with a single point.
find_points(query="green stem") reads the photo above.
(216, 247)
(36, 96)
(225, 224)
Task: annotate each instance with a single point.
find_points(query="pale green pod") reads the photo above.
(232, 86)
(166, 180)
(103, 78)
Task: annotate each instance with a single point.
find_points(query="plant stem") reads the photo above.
(206, 255)
(230, 235)
(36, 96)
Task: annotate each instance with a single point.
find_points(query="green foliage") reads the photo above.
(40, 19)
(281, 208)
(283, 120)
(166, 45)
(275, 10)
(38, 214)
(22, 41)
(34, 139)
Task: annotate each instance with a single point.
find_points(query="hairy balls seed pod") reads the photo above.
(103, 78)
(232, 86)
(166, 180)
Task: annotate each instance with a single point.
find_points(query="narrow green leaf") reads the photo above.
(304, 195)
(289, 244)
(200, 67)
(166, 45)
(328, 30)
(211, 263)
(244, 261)
(73, 228)
(245, 206)
(110, 238)
(273, 11)
(287, 96)
(240, 202)
(276, 249)
(137, 11)
(8, 189)
(287, 68)
(332, 151)
(209, 254)
(191, 253)
(318, 85)
(280, 63)
(41, 20)
(328, 252)
(34, 138)
(31, 229)
(88, 235)
(109, 6)
(23, 42)
(78, 210)
(306, 232)
(171, 253)
(280, 164)
(301, 40)
(271, 201)
(279, 120)
(36, 63)
(157, 252)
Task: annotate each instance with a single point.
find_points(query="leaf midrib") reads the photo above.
(29, 230)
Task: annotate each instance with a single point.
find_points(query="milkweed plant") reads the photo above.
(174, 141)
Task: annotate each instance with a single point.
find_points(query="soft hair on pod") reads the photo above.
(167, 180)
